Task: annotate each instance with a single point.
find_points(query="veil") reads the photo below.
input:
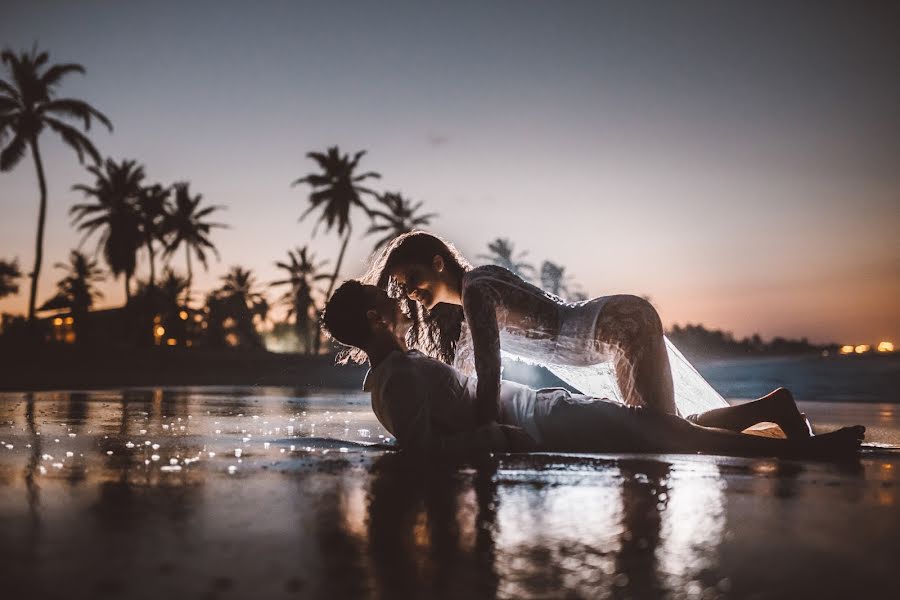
(540, 328)
(693, 394)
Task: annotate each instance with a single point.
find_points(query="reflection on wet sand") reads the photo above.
(272, 493)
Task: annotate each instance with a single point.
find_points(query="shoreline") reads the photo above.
(71, 368)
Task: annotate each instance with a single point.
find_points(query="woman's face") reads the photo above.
(428, 286)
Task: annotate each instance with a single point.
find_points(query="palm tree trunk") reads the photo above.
(337, 269)
(337, 266)
(152, 265)
(42, 216)
(127, 289)
(190, 278)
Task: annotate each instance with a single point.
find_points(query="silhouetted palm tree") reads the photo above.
(172, 286)
(9, 277)
(238, 301)
(555, 280)
(400, 217)
(185, 226)
(152, 209)
(77, 290)
(159, 305)
(302, 272)
(79, 284)
(503, 254)
(117, 189)
(335, 191)
(27, 106)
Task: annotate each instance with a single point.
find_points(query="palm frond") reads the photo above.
(13, 153)
(77, 109)
(75, 140)
(54, 74)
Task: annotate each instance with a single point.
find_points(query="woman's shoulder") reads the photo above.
(487, 273)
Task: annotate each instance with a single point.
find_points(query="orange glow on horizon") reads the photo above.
(847, 349)
(886, 347)
(862, 348)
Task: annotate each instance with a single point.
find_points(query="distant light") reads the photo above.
(885, 347)
(69, 320)
(862, 348)
(847, 349)
(183, 314)
(188, 343)
(171, 342)
(160, 330)
(58, 321)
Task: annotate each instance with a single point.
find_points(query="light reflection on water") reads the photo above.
(146, 483)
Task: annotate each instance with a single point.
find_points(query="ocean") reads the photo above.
(872, 378)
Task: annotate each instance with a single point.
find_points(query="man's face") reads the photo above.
(390, 315)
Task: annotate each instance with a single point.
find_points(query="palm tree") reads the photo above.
(186, 227)
(9, 276)
(238, 301)
(160, 306)
(27, 106)
(335, 191)
(503, 254)
(302, 272)
(117, 190)
(554, 279)
(399, 218)
(172, 286)
(152, 210)
(77, 290)
(79, 284)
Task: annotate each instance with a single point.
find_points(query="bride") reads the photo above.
(612, 346)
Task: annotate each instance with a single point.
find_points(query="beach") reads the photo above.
(236, 492)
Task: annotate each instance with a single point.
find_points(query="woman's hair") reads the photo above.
(434, 332)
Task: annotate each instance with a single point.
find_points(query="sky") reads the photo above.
(739, 163)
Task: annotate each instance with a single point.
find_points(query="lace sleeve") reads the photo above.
(480, 306)
(464, 358)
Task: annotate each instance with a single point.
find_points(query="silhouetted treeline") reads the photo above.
(697, 340)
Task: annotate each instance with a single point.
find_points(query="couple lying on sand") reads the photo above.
(432, 407)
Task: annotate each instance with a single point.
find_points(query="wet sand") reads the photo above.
(246, 493)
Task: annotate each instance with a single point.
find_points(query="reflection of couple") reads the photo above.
(451, 313)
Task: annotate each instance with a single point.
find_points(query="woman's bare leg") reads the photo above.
(631, 327)
(776, 407)
(710, 440)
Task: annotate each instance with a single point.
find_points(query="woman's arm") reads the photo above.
(480, 307)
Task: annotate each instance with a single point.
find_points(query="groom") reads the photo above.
(429, 406)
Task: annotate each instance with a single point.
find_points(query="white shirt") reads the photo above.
(424, 401)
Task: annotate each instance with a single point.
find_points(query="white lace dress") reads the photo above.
(609, 347)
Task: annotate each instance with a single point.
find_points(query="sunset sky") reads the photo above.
(738, 163)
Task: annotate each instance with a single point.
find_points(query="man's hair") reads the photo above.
(345, 314)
